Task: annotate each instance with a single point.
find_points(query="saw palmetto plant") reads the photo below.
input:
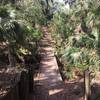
(77, 34)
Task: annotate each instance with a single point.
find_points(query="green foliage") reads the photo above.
(77, 34)
(31, 11)
(18, 27)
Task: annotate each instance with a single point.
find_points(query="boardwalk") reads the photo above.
(49, 84)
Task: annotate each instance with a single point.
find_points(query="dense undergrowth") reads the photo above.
(19, 31)
(75, 28)
(77, 35)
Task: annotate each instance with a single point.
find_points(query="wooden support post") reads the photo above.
(14, 93)
(24, 86)
(87, 85)
(31, 79)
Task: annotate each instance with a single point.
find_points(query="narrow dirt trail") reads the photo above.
(49, 84)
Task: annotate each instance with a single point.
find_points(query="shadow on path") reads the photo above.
(49, 84)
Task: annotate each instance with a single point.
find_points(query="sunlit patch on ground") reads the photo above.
(55, 91)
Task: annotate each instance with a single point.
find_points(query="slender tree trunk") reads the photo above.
(10, 56)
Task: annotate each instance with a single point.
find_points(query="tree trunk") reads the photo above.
(10, 55)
